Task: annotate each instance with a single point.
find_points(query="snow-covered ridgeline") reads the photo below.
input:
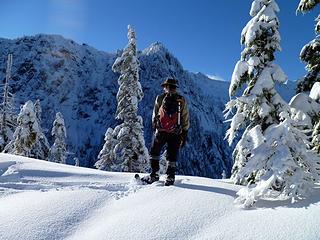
(78, 81)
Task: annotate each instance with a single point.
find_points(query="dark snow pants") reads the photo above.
(173, 144)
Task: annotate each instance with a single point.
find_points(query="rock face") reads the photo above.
(77, 81)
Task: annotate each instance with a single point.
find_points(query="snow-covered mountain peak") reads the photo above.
(155, 48)
(159, 56)
(77, 80)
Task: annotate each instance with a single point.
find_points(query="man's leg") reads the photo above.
(157, 144)
(172, 156)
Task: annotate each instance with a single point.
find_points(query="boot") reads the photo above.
(154, 176)
(169, 181)
(171, 171)
(149, 179)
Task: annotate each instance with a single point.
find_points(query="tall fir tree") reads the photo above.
(27, 136)
(8, 117)
(307, 5)
(260, 104)
(314, 98)
(316, 138)
(126, 142)
(58, 151)
(272, 152)
(311, 51)
(282, 165)
(310, 55)
(38, 110)
(76, 162)
(42, 147)
(107, 156)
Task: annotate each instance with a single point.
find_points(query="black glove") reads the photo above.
(183, 138)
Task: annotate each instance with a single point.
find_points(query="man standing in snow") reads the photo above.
(170, 122)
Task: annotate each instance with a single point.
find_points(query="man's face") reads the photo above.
(166, 88)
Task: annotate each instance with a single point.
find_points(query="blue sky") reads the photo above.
(203, 34)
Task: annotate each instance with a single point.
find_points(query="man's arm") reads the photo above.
(156, 111)
(185, 123)
(185, 116)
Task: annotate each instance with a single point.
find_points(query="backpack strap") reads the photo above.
(179, 112)
(180, 100)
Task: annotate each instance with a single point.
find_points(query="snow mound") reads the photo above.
(315, 91)
(43, 200)
(305, 103)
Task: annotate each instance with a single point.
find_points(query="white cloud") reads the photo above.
(215, 77)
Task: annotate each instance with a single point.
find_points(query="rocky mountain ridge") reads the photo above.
(77, 80)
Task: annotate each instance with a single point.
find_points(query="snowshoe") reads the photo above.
(169, 181)
(149, 179)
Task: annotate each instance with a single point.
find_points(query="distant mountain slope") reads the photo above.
(78, 81)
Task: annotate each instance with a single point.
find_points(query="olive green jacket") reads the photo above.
(185, 122)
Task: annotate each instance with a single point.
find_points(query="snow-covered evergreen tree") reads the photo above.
(281, 163)
(307, 5)
(76, 162)
(316, 138)
(28, 138)
(38, 110)
(163, 163)
(306, 113)
(42, 148)
(107, 156)
(310, 52)
(223, 174)
(272, 152)
(260, 104)
(125, 149)
(7, 114)
(58, 151)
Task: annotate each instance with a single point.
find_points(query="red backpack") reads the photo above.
(170, 113)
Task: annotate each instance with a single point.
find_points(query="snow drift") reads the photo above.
(43, 200)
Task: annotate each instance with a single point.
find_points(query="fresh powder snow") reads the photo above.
(45, 200)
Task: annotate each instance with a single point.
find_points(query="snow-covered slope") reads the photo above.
(77, 80)
(43, 200)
